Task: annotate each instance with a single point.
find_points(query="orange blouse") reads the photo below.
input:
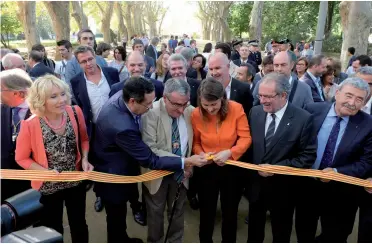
(232, 134)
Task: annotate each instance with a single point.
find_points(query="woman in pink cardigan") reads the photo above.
(52, 139)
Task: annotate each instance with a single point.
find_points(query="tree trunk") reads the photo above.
(122, 30)
(328, 26)
(255, 24)
(161, 21)
(60, 19)
(128, 19)
(356, 20)
(137, 15)
(105, 24)
(225, 30)
(27, 13)
(78, 14)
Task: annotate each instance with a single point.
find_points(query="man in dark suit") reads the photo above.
(151, 49)
(317, 67)
(235, 53)
(91, 89)
(344, 146)
(255, 52)
(121, 151)
(38, 68)
(150, 62)
(246, 57)
(282, 134)
(136, 67)
(14, 109)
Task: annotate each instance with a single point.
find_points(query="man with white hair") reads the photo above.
(13, 61)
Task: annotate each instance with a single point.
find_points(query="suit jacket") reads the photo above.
(314, 90)
(238, 62)
(235, 55)
(241, 93)
(120, 150)
(30, 145)
(194, 86)
(150, 52)
(150, 63)
(159, 88)
(302, 94)
(157, 134)
(354, 153)
(79, 89)
(294, 143)
(39, 70)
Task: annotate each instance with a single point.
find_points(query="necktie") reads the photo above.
(270, 131)
(137, 119)
(16, 120)
(176, 147)
(318, 85)
(330, 146)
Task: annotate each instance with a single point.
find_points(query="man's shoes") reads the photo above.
(134, 240)
(246, 220)
(194, 203)
(140, 217)
(98, 205)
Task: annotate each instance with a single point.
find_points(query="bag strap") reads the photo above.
(78, 128)
(293, 90)
(122, 67)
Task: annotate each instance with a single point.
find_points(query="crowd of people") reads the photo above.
(188, 112)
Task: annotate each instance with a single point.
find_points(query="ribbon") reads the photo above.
(41, 175)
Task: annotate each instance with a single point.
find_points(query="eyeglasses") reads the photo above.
(84, 62)
(86, 38)
(177, 105)
(266, 96)
(148, 108)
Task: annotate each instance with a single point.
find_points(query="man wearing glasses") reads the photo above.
(85, 38)
(121, 149)
(167, 130)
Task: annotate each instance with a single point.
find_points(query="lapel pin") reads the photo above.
(288, 124)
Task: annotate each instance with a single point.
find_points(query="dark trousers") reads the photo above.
(52, 214)
(116, 215)
(276, 196)
(193, 184)
(226, 182)
(135, 204)
(334, 203)
(365, 217)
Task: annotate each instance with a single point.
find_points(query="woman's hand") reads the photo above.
(86, 165)
(221, 157)
(369, 189)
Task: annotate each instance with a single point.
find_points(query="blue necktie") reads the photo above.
(16, 120)
(329, 150)
(176, 148)
(318, 85)
(137, 119)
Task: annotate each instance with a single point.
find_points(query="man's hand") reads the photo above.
(187, 173)
(369, 189)
(86, 165)
(196, 160)
(221, 157)
(265, 174)
(326, 170)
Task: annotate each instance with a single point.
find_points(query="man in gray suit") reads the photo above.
(300, 94)
(167, 130)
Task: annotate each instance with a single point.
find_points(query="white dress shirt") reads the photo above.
(279, 115)
(184, 138)
(228, 89)
(367, 107)
(98, 95)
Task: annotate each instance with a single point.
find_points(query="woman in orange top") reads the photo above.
(50, 140)
(220, 128)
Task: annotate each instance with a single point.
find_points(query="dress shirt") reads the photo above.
(290, 80)
(183, 134)
(316, 81)
(367, 107)
(325, 131)
(279, 115)
(156, 52)
(242, 61)
(23, 111)
(98, 94)
(228, 88)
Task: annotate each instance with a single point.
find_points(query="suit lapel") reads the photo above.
(260, 119)
(319, 122)
(234, 89)
(84, 90)
(165, 120)
(108, 77)
(284, 125)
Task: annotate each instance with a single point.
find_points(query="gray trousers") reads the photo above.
(155, 211)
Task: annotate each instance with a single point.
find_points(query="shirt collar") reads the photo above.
(332, 113)
(133, 114)
(290, 79)
(23, 105)
(279, 114)
(99, 69)
(35, 64)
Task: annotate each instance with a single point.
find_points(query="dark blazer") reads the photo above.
(241, 93)
(238, 62)
(194, 86)
(256, 56)
(39, 70)
(203, 74)
(150, 52)
(121, 151)
(294, 143)
(159, 88)
(79, 89)
(235, 55)
(10, 187)
(314, 91)
(150, 63)
(354, 153)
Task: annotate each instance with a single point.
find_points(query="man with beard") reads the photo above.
(317, 67)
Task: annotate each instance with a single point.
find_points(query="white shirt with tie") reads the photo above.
(279, 115)
(184, 138)
(228, 89)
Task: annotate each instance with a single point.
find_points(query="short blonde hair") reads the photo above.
(41, 89)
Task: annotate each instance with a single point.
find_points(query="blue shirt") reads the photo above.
(325, 131)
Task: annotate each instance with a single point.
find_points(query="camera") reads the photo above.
(20, 212)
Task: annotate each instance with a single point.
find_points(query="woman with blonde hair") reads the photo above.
(161, 67)
(55, 138)
(220, 129)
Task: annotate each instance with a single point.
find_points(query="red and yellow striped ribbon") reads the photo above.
(40, 175)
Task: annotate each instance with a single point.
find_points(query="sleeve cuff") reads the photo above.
(183, 163)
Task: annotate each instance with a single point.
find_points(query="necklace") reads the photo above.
(63, 122)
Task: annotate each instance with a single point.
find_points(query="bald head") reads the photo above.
(136, 64)
(219, 56)
(13, 61)
(219, 65)
(283, 63)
